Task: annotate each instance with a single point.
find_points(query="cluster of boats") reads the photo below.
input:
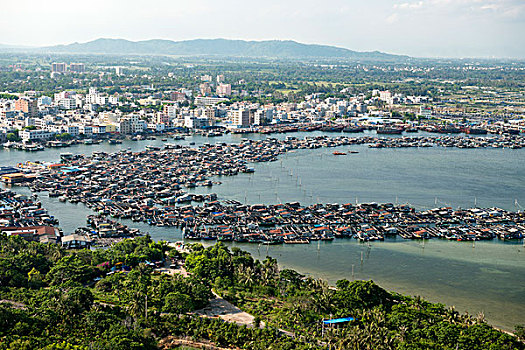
(503, 141)
(17, 210)
(151, 186)
(292, 223)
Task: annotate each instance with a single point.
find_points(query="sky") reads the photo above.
(420, 28)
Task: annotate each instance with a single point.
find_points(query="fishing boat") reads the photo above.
(66, 156)
(476, 131)
(332, 128)
(353, 129)
(9, 144)
(389, 131)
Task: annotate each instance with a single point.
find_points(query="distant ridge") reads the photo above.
(217, 47)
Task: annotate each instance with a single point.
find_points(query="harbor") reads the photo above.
(289, 179)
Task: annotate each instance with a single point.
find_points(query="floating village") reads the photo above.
(152, 186)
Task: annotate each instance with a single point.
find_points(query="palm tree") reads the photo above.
(452, 316)
(323, 301)
(246, 276)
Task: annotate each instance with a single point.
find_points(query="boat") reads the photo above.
(66, 156)
(184, 198)
(353, 129)
(297, 241)
(55, 144)
(476, 131)
(170, 146)
(332, 128)
(389, 131)
(33, 147)
(9, 144)
(448, 130)
(339, 154)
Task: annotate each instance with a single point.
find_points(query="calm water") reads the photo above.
(487, 276)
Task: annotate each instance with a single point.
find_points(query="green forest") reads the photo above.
(114, 298)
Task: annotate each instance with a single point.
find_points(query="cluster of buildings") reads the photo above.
(40, 118)
(61, 68)
(94, 114)
(221, 88)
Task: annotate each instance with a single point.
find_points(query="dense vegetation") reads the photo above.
(259, 76)
(112, 299)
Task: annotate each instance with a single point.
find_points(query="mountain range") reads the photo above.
(216, 47)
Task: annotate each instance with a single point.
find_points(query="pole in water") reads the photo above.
(475, 202)
(436, 201)
(361, 257)
(352, 271)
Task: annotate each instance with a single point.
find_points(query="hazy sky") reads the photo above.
(453, 28)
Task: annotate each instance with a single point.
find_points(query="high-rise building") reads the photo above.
(220, 79)
(205, 89)
(177, 96)
(224, 90)
(58, 67)
(27, 106)
(77, 68)
(170, 110)
(241, 118)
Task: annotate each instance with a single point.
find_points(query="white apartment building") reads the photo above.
(67, 103)
(208, 101)
(35, 135)
(224, 90)
(240, 118)
(85, 129)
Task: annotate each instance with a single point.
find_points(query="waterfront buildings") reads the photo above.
(240, 118)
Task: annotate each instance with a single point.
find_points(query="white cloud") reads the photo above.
(392, 18)
(409, 5)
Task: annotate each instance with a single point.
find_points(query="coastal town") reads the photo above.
(212, 105)
(266, 175)
(157, 185)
